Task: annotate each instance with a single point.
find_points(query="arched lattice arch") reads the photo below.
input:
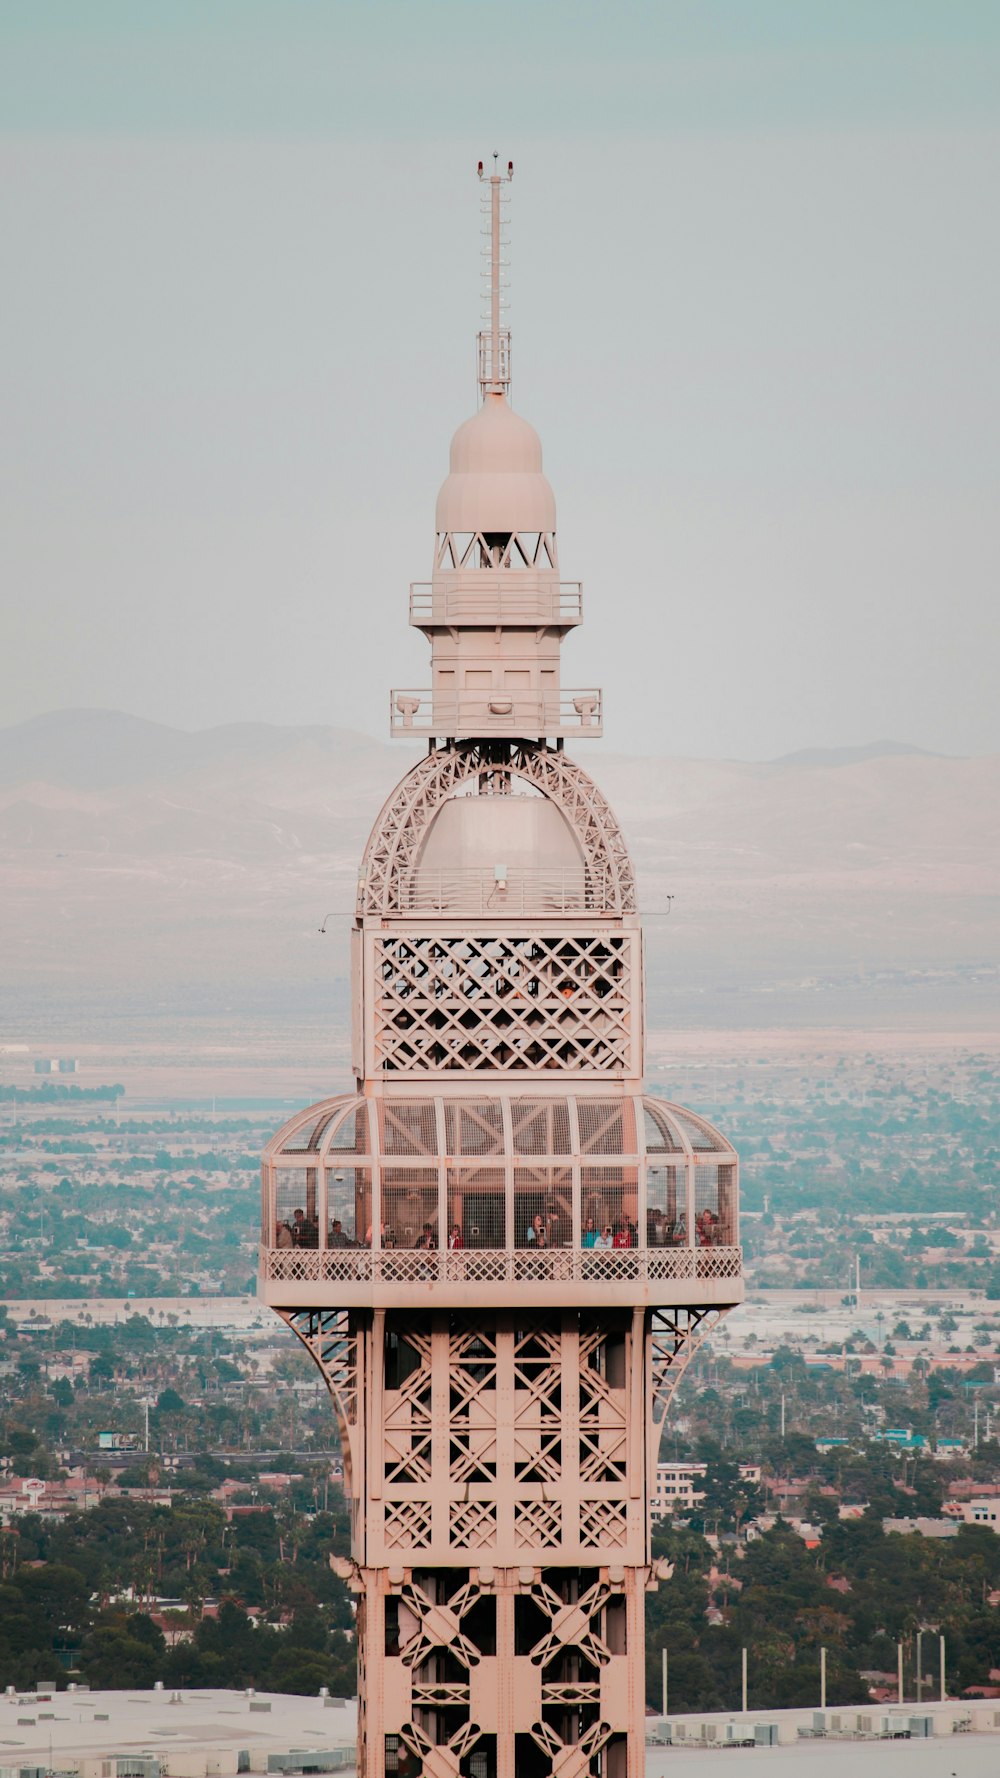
(393, 848)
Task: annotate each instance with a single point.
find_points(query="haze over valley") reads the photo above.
(186, 874)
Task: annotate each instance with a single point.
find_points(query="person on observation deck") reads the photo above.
(283, 1236)
(606, 1237)
(622, 1234)
(455, 1241)
(589, 1236)
(337, 1235)
(305, 1232)
(707, 1229)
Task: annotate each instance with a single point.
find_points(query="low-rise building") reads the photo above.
(983, 1509)
(677, 1492)
(946, 1448)
(50, 1500)
(676, 1489)
(921, 1526)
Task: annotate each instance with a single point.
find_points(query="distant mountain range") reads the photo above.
(851, 756)
(107, 750)
(141, 861)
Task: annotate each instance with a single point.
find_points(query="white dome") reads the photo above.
(525, 833)
(496, 481)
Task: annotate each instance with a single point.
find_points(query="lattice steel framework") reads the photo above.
(500, 1483)
(501, 1560)
(507, 1001)
(533, 550)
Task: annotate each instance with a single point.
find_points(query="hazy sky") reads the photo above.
(755, 307)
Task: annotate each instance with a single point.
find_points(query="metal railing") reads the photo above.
(493, 375)
(512, 596)
(487, 892)
(494, 711)
(489, 1266)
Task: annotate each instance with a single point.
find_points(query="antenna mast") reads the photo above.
(494, 345)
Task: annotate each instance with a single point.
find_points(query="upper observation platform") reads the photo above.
(453, 1200)
(527, 598)
(496, 610)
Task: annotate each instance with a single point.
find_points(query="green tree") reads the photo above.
(110, 1658)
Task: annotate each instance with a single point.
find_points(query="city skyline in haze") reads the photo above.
(753, 273)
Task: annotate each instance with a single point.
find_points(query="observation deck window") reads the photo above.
(348, 1218)
(352, 1131)
(712, 1204)
(407, 1126)
(660, 1138)
(476, 1206)
(607, 1126)
(296, 1216)
(540, 1126)
(410, 1207)
(309, 1135)
(666, 1206)
(699, 1134)
(473, 1128)
(543, 1207)
(609, 1199)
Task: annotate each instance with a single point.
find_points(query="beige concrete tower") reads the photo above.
(498, 1252)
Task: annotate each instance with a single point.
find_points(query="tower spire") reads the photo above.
(494, 343)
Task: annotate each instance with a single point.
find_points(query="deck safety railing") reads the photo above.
(511, 597)
(500, 1266)
(422, 711)
(498, 892)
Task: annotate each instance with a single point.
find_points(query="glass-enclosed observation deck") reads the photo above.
(403, 1201)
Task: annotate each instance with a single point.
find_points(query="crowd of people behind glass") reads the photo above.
(540, 1232)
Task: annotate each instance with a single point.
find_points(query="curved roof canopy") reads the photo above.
(475, 1125)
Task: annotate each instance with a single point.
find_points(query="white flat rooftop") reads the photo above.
(63, 1727)
(961, 1756)
(94, 1724)
(965, 1743)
